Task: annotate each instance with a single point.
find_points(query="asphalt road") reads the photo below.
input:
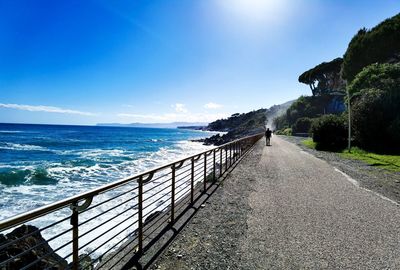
(282, 208)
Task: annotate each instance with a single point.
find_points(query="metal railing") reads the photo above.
(112, 222)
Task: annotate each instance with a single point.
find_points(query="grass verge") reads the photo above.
(389, 162)
(309, 143)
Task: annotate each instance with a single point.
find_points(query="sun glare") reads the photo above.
(256, 11)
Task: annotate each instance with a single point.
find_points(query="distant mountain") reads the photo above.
(237, 125)
(193, 127)
(155, 125)
(276, 111)
(245, 124)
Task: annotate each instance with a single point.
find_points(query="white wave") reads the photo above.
(155, 140)
(10, 131)
(23, 147)
(17, 167)
(90, 153)
(76, 179)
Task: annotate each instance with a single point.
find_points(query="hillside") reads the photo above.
(245, 124)
(276, 111)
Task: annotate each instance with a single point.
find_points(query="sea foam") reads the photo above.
(72, 180)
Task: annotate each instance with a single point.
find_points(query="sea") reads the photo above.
(41, 164)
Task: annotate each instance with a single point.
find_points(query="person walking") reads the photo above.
(268, 134)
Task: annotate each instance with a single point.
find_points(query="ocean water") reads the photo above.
(41, 164)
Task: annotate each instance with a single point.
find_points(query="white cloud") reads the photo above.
(173, 117)
(41, 108)
(128, 106)
(180, 108)
(212, 105)
(181, 114)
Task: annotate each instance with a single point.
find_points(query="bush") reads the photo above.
(380, 76)
(374, 127)
(286, 132)
(375, 109)
(329, 132)
(280, 122)
(302, 125)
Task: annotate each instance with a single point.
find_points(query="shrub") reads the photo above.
(375, 109)
(380, 76)
(374, 127)
(302, 125)
(280, 122)
(286, 132)
(329, 132)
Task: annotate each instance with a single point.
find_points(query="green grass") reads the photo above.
(286, 132)
(309, 143)
(389, 162)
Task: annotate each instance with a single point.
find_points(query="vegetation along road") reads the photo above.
(283, 208)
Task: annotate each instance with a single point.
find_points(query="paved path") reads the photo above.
(292, 211)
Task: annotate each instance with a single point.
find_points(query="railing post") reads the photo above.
(230, 155)
(140, 214)
(173, 194)
(234, 152)
(226, 158)
(237, 150)
(214, 167)
(74, 221)
(192, 182)
(205, 171)
(75, 236)
(220, 162)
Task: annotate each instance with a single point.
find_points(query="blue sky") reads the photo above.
(85, 62)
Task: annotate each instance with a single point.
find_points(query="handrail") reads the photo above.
(27, 216)
(80, 202)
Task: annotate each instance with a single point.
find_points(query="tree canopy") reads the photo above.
(379, 45)
(376, 107)
(324, 78)
(381, 76)
(307, 106)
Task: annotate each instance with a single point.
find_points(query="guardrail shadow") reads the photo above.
(162, 239)
(123, 224)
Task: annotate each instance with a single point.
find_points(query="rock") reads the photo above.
(152, 216)
(85, 262)
(53, 261)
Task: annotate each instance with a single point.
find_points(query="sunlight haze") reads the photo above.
(88, 62)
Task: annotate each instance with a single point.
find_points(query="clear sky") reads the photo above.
(85, 62)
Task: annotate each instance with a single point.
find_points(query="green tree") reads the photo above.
(302, 125)
(379, 45)
(307, 106)
(324, 79)
(376, 107)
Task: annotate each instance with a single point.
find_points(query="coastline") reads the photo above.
(65, 213)
(77, 177)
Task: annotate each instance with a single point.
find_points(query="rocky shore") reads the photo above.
(230, 136)
(236, 126)
(27, 240)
